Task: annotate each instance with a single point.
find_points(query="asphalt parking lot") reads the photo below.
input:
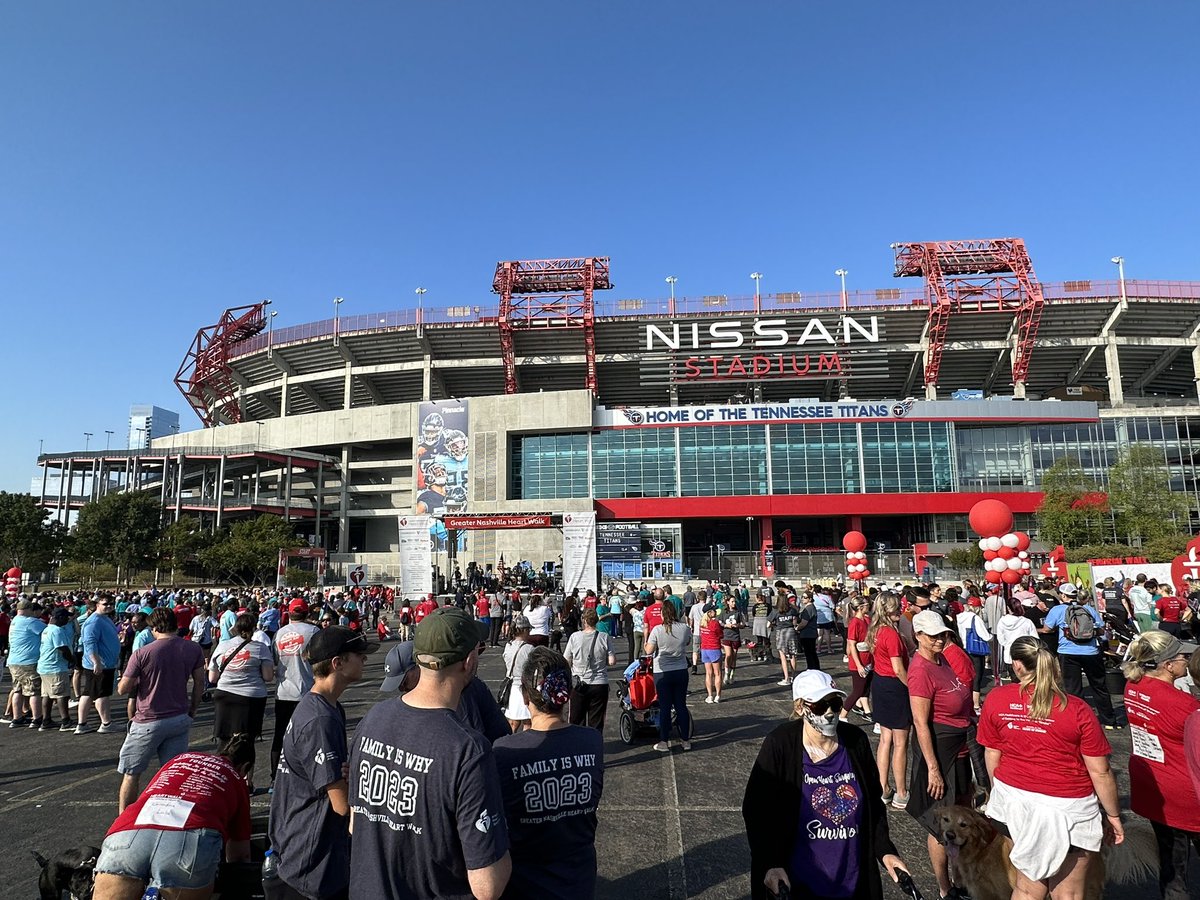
(670, 825)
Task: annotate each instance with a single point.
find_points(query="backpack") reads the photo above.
(1078, 625)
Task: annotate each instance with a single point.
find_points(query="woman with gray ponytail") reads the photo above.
(551, 777)
(1160, 788)
(1059, 810)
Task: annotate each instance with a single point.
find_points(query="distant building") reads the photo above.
(149, 422)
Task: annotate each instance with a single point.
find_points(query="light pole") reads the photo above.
(271, 330)
(757, 276)
(107, 439)
(41, 444)
(87, 439)
(420, 292)
(1119, 262)
(671, 279)
(842, 273)
(337, 302)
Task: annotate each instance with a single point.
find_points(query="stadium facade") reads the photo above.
(690, 426)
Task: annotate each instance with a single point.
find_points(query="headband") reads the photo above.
(554, 687)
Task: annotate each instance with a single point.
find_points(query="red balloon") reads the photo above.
(1010, 576)
(866, 573)
(989, 555)
(991, 577)
(854, 541)
(1022, 540)
(990, 518)
(1006, 553)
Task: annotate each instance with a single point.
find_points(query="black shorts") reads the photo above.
(889, 703)
(97, 686)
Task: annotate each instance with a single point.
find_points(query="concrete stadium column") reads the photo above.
(1196, 368)
(427, 378)
(344, 503)
(931, 392)
(347, 387)
(1112, 363)
(220, 489)
(179, 487)
(320, 503)
(283, 397)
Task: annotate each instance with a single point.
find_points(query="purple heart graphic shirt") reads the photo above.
(825, 858)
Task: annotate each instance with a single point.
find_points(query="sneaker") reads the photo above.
(708, 699)
(876, 730)
(84, 729)
(783, 682)
(717, 699)
(900, 801)
(109, 728)
(71, 704)
(686, 745)
(845, 659)
(662, 747)
(887, 797)
(36, 723)
(47, 726)
(22, 722)
(6, 720)
(66, 726)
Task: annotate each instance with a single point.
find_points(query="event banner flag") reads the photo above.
(416, 560)
(441, 458)
(579, 551)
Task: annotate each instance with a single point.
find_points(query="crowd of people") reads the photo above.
(455, 788)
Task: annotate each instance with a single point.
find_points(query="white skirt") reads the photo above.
(516, 711)
(1044, 828)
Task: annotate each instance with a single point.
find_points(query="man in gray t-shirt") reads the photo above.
(295, 672)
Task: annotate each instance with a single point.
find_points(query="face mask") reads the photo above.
(826, 724)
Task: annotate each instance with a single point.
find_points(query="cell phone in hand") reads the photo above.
(909, 886)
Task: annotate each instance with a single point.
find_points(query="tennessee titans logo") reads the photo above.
(901, 409)
(632, 416)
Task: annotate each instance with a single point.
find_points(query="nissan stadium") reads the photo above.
(761, 427)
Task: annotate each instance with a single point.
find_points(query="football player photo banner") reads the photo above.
(416, 559)
(441, 458)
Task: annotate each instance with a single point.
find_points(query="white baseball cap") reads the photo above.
(929, 622)
(813, 685)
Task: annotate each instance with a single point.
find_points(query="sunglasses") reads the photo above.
(831, 703)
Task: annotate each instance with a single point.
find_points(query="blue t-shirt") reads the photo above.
(25, 640)
(50, 660)
(228, 620)
(1057, 618)
(100, 638)
(268, 621)
(825, 857)
(142, 638)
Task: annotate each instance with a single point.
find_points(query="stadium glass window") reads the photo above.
(723, 460)
(634, 462)
(906, 457)
(814, 459)
(549, 466)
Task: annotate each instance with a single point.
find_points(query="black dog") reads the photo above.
(70, 871)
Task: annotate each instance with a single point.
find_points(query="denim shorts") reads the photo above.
(164, 738)
(164, 859)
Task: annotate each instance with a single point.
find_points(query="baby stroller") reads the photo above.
(639, 701)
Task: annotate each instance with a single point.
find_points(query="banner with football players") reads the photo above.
(441, 458)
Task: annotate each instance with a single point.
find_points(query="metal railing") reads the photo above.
(606, 308)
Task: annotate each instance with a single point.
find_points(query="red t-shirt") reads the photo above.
(590, 602)
(960, 662)
(1170, 608)
(1031, 749)
(1191, 746)
(887, 645)
(424, 608)
(952, 704)
(483, 608)
(183, 620)
(652, 617)
(710, 635)
(194, 790)
(1160, 788)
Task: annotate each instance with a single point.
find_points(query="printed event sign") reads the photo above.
(579, 551)
(484, 522)
(416, 559)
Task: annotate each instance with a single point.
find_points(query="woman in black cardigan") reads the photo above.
(846, 838)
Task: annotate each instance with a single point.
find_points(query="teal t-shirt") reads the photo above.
(50, 660)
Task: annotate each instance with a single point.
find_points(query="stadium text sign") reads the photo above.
(845, 410)
(750, 339)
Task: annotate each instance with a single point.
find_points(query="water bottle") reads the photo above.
(270, 870)
(151, 893)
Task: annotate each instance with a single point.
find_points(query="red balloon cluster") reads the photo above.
(1005, 552)
(12, 583)
(855, 543)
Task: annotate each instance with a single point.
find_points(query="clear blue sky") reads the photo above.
(160, 162)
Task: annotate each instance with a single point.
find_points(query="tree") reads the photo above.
(1074, 510)
(1139, 492)
(248, 551)
(965, 559)
(27, 539)
(122, 528)
(183, 541)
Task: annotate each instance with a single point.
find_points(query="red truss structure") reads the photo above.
(975, 277)
(549, 293)
(205, 378)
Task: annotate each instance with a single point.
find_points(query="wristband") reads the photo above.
(1115, 815)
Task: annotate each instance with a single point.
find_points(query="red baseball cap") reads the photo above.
(298, 606)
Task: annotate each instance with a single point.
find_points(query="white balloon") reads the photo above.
(1009, 540)
(993, 543)
(849, 554)
(1014, 564)
(862, 554)
(1022, 554)
(983, 543)
(990, 565)
(860, 568)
